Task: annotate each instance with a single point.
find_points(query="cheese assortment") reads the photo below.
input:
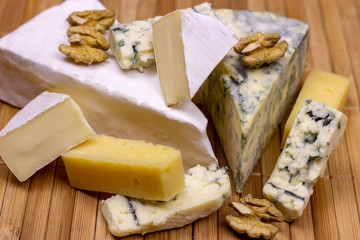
(320, 86)
(116, 102)
(128, 167)
(246, 105)
(188, 46)
(316, 132)
(206, 190)
(45, 128)
(132, 43)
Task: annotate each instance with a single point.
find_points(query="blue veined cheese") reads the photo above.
(132, 43)
(316, 132)
(206, 190)
(246, 105)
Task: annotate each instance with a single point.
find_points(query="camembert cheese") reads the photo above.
(188, 46)
(45, 128)
(116, 102)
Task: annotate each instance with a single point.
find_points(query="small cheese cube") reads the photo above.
(45, 128)
(188, 46)
(316, 132)
(320, 86)
(128, 167)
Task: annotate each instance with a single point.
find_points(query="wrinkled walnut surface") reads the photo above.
(260, 48)
(252, 211)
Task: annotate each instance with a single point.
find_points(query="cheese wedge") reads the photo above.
(246, 105)
(128, 167)
(206, 190)
(187, 47)
(115, 102)
(320, 86)
(45, 128)
(315, 134)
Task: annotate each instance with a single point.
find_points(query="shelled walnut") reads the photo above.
(260, 48)
(252, 211)
(85, 35)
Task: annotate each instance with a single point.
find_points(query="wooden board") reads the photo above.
(46, 207)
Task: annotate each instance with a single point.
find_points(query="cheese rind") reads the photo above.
(246, 105)
(45, 128)
(319, 86)
(114, 101)
(127, 167)
(316, 133)
(132, 43)
(206, 190)
(188, 46)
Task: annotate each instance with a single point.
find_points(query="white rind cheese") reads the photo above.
(206, 190)
(39, 133)
(246, 105)
(316, 133)
(125, 104)
(188, 46)
(132, 43)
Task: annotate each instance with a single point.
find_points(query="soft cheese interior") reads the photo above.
(115, 102)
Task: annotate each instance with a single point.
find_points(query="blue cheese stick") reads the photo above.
(316, 132)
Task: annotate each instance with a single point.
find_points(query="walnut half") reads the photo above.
(86, 40)
(252, 211)
(260, 48)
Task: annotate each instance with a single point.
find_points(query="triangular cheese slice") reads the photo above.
(188, 46)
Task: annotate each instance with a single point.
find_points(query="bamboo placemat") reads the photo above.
(46, 207)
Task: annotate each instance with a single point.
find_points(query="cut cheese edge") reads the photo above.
(316, 132)
(320, 86)
(206, 190)
(127, 167)
(188, 46)
(132, 43)
(45, 128)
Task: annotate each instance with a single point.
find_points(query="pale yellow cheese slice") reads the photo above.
(45, 128)
(127, 167)
(323, 87)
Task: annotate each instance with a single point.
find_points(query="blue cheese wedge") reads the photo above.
(316, 133)
(246, 105)
(132, 43)
(206, 190)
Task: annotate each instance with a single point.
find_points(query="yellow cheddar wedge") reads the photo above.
(127, 167)
(323, 87)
